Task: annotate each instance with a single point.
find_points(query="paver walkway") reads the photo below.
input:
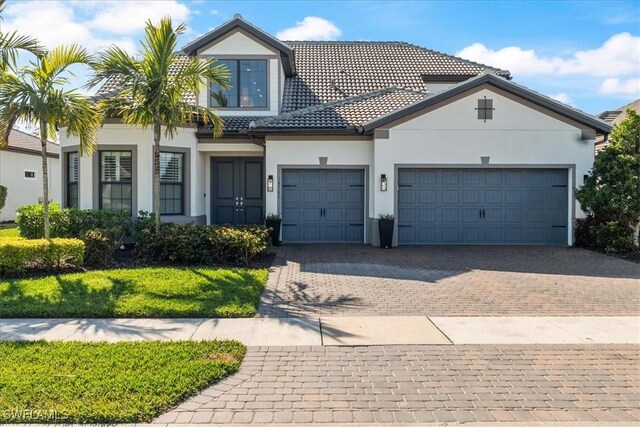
(424, 384)
(317, 280)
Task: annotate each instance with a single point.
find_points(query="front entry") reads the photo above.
(237, 190)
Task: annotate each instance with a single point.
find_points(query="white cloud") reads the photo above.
(130, 16)
(92, 24)
(616, 86)
(618, 56)
(562, 97)
(311, 28)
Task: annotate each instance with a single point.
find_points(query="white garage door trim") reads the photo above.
(571, 180)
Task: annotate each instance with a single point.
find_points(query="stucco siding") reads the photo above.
(517, 136)
(23, 191)
(307, 153)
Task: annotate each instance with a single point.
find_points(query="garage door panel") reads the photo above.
(322, 205)
(450, 197)
(518, 206)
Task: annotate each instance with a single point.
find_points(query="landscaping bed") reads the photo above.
(136, 293)
(73, 382)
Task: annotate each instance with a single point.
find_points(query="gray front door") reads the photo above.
(237, 190)
(509, 206)
(322, 205)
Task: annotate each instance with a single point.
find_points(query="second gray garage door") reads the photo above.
(322, 205)
(509, 206)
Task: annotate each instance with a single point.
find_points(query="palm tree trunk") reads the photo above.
(156, 174)
(45, 178)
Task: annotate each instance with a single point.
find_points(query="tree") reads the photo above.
(611, 192)
(152, 89)
(12, 43)
(36, 94)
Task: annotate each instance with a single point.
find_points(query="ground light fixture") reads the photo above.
(383, 182)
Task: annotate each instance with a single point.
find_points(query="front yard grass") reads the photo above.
(73, 382)
(140, 292)
(9, 231)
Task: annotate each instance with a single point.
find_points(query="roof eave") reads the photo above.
(286, 52)
(501, 83)
(350, 130)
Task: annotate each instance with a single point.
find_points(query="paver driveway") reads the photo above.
(335, 280)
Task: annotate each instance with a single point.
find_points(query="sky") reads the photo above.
(583, 53)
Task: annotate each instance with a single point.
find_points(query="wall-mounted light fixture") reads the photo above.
(270, 183)
(383, 182)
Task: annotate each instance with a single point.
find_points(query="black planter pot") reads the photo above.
(274, 225)
(385, 227)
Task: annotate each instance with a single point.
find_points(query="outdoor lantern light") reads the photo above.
(383, 182)
(270, 183)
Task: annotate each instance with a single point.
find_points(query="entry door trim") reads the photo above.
(364, 168)
(571, 184)
(240, 162)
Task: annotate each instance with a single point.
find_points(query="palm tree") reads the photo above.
(152, 89)
(12, 43)
(36, 94)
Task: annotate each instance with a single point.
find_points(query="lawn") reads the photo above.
(73, 382)
(140, 292)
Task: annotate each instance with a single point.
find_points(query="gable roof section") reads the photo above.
(329, 71)
(346, 114)
(501, 83)
(22, 142)
(286, 52)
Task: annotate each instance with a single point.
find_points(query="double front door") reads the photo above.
(237, 190)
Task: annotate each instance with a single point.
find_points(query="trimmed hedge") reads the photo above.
(18, 254)
(102, 232)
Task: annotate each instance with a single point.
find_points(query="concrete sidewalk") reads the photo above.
(331, 331)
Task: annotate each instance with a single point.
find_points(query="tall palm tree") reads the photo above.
(12, 43)
(153, 87)
(36, 94)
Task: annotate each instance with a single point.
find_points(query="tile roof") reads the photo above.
(616, 116)
(388, 75)
(22, 141)
(349, 112)
(328, 71)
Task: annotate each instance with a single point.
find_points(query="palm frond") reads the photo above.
(12, 43)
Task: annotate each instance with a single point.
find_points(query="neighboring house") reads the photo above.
(614, 117)
(21, 172)
(332, 134)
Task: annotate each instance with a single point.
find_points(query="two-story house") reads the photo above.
(332, 134)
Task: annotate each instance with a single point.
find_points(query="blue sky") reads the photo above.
(585, 53)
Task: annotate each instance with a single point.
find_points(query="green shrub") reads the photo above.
(199, 244)
(614, 237)
(239, 245)
(18, 254)
(30, 221)
(3, 196)
(99, 246)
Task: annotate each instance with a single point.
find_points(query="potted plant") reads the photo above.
(385, 227)
(273, 222)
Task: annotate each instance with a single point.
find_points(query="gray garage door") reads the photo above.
(511, 206)
(322, 205)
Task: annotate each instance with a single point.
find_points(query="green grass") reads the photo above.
(9, 232)
(107, 382)
(141, 292)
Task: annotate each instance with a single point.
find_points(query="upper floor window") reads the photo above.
(248, 78)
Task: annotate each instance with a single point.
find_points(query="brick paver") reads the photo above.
(335, 280)
(424, 384)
